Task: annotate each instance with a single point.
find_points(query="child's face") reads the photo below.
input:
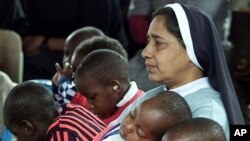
(141, 124)
(69, 48)
(25, 132)
(101, 99)
(76, 60)
(67, 53)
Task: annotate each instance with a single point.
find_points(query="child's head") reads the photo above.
(77, 37)
(195, 129)
(28, 111)
(103, 78)
(151, 119)
(87, 46)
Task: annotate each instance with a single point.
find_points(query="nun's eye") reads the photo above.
(157, 43)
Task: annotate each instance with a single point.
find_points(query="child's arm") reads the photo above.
(63, 86)
(66, 71)
(66, 91)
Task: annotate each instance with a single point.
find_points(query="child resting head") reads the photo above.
(154, 116)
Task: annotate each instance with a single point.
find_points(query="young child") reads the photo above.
(63, 86)
(31, 115)
(93, 44)
(150, 120)
(76, 37)
(67, 85)
(195, 129)
(103, 78)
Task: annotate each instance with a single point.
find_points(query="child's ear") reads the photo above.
(115, 85)
(27, 128)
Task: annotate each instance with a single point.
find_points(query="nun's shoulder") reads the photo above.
(205, 93)
(204, 97)
(149, 94)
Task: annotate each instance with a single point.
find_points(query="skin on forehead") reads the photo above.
(143, 123)
(166, 60)
(101, 99)
(151, 117)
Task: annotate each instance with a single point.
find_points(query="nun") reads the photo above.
(184, 53)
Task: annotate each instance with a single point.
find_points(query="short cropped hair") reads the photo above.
(98, 42)
(173, 107)
(196, 129)
(29, 100)
(84, 33)
(105, 65)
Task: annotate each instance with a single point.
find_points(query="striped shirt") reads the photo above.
(75, 124)
(109, 134)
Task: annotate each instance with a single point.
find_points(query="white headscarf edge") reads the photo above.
(185, 31)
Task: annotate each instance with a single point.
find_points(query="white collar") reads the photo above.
(191, 87)
(129, 95)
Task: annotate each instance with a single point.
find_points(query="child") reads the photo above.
(95, 43)
(103, 78)
(76, 37)
(63, 86)
(150, 120)
(195, 129)
(31, 115)
(67, 85)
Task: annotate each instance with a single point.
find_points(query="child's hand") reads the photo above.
(55, 79)
(67, 71)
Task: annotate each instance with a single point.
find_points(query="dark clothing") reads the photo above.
(210, 55)
(12, 15)
(6, 12)
(41, 65)
(58, 18)
(239, 58)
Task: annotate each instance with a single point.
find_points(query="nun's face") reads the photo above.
(165, 58)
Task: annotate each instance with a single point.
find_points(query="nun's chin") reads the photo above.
(155, 78)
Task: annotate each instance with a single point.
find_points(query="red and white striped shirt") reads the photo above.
(74, 124)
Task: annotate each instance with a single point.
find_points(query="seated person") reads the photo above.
(239, 55)
(184, 58)
(67, 85)
(150, 120)
(80, 52)
(6, 85)
(195, 129)
(30, 114)
(63, 86)
(103, 78)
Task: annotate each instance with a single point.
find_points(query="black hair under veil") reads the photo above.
(205, 50)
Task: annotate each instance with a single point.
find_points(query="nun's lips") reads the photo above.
(149, 67)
